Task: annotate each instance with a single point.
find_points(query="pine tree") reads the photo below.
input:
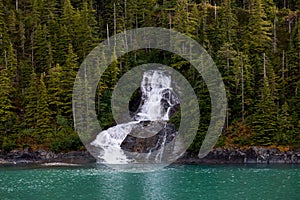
(294, 103)
(186, 18)
(62, 41)
(113, 71)
(2, 23)
(227, 25)
(181, 16)
(12, 24)
(35, 15)
(67, 17)
(258, 32)
(265, 121)
(7, 109)
(54, 90)
(204, 25)
(48, 8)
(31, 98)
(69, 72)
(43, 115)
(42, 50)
(285, 126)
(4, 39)
(11, 62)
(84, 32)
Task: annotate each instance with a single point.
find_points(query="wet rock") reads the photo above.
(159, 132)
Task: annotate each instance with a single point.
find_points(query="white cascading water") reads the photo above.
(155, 86)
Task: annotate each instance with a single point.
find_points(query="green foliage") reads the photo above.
(42, 50)
(43, 114)
(69, 71)
(285, 127)
(264, 120)
(254, 43)
(7, 109)
(175, 119)
(54, 90)
(31, 99)
(65, 138)
(8, 144)
(69, 143)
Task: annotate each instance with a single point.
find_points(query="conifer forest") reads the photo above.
(254, 43)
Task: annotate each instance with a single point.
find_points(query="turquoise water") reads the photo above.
(175, 182)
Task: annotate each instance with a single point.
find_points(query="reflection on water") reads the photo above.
(175, 182)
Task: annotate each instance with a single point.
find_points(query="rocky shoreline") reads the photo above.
(28, 156)
(252, 155)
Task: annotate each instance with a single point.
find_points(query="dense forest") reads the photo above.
(254, 43)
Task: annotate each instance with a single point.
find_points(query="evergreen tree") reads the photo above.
(113, 71)
(12, 24)
(42, 50)
(203, 25)
(69, 72)
(265, 121)
(285, 126)
(31, 98)
(43, 114)
(2, 22)
(257, 33)
(7, 109)
(11, 63)
(84, 31)
(54, 90)
(67, 17)
(4, 40)
(61, 45)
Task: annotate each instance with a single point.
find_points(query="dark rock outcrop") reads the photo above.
(43, 156)
(160, 133)
(252, 155)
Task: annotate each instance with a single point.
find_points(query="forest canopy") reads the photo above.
(254, 43)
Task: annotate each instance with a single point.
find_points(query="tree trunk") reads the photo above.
(283, 62)
(136, 21)
(32, 44)
(215, 8)
(5, 58)
(125, 10)
(107, 33)
(115, 25)
(265, 70)
(243, 98)
(275, 37)
(125, 37)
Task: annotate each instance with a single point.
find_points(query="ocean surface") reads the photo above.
(174, 182)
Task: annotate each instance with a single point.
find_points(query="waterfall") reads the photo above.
(153, 85)
(157, 101)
